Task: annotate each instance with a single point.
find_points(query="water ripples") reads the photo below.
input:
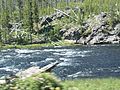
(83, 61)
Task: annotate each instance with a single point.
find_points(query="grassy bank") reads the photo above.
(47, 81)
(35, 46)
(93, 84)
(43, 81)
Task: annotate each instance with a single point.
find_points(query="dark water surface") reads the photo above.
(77, 62)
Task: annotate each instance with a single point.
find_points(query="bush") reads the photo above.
(43, 81)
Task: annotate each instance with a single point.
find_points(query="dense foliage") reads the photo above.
(20, 20)
(44, 81)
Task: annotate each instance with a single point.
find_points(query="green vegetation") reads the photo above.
(20, 27)
(92, 84)
(36, 46)
(44, 81)
(47, 81)
(28, 13)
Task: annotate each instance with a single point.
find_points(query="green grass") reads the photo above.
(35, 46)
(92, 84)
(47, 80)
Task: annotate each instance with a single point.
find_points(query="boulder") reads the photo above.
(71, 34)
(97, 30)
(113, 39)
(39, 41)
(62, 31)
(46, 20)
(57, 15)
(117, 29)
(98, 39)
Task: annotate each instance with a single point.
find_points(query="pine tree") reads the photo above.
(0, 21)
(28, 18)
(35, 11)
(20, 7)
(5, 19)
(35, 15)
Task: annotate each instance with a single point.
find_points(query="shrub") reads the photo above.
(44, 81)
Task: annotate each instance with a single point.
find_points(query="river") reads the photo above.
(77, 61)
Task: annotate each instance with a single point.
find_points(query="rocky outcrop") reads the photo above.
(57, 15)
(97, 30)
(71, 33)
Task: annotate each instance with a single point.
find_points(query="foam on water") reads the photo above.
(25, 51)
(65, 59)
(4, 60)
(80, 74)
(65, 64)
(34, 63)
(7, 56)
(49, 59)
(12, 69)
(23, 56)
(56, 50)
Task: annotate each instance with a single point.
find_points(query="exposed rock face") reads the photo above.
(57, 15)
(97, 30)
(117, 29)
(71, 34)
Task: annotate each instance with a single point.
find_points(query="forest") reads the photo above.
(80, 42)
(33, 21)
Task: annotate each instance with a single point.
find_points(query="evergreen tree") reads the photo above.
(35, 15)
(28, 18)
(5, 19)
(35, 11)
(20, 7)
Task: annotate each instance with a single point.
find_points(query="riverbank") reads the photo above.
(47, 81)
(92, 84)
(36, 46)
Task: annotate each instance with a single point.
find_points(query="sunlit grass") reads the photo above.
(92, 84)
(35, 46)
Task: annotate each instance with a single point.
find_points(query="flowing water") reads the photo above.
(76, 61)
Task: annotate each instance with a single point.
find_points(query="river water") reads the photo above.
(76, 61)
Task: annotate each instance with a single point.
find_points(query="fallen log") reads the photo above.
(67, 14)
(35, 70)
(29, 72)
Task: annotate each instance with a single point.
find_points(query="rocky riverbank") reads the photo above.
(99, 29)
(103, 28)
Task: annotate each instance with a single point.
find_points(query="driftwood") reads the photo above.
(65, 14)
(35, 70)
(29, 72)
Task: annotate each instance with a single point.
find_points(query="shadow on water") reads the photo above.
(99, 61)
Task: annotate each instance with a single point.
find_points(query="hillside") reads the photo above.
(25, 22)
